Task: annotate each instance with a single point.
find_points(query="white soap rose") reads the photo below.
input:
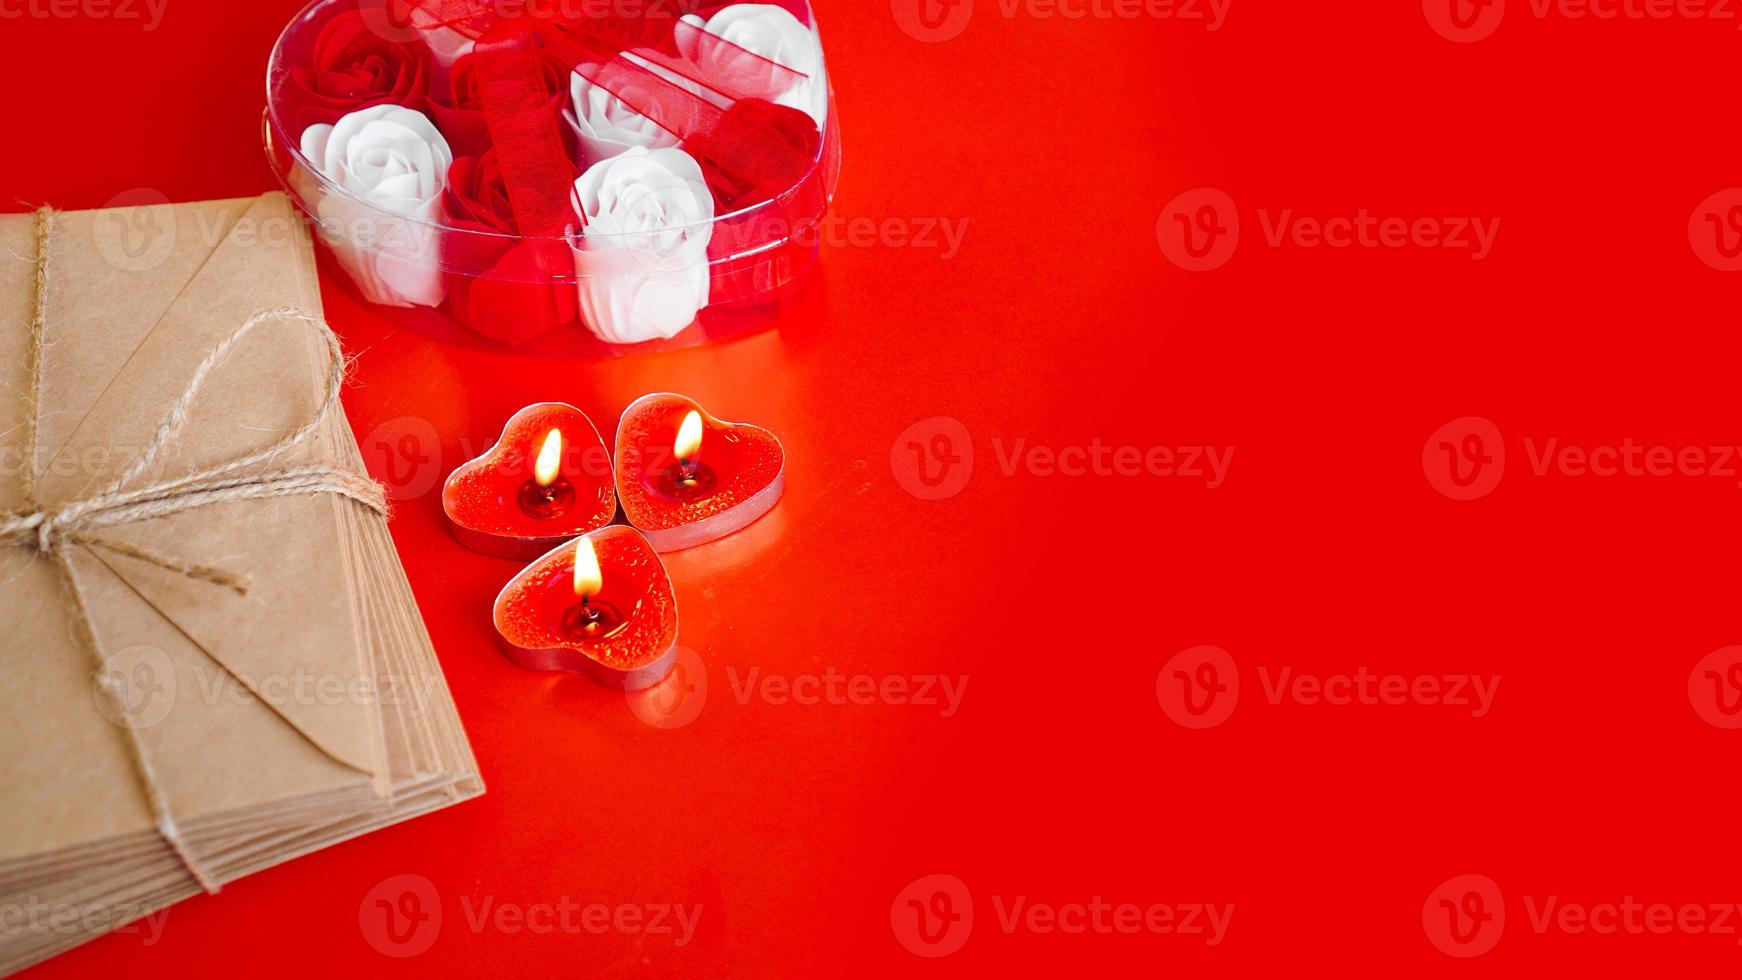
(641, 256)
(391, 164)
(773, 33)
(607, 127)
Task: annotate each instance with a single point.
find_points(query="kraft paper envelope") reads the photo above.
(303, 712)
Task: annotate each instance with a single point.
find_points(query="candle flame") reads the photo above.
(550, 459)
(588, 579)
(689, 436)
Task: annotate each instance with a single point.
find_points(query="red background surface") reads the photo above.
(1061, 321)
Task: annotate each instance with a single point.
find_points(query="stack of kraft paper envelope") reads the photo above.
(264, 724)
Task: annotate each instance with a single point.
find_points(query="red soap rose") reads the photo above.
(352, 67)
(504, 287)
(457, 107)
(757, 151)
(477, 196)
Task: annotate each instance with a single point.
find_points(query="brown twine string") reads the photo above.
(51, 531)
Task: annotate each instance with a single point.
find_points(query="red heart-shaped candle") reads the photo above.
(546, 480)
(686, 477)
(601, 605)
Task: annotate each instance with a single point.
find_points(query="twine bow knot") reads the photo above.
(35, 529)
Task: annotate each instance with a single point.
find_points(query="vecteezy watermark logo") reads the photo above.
(139, 686)
(1465, 458)
(1100, 917)
(1102, 459)
(1464, 21)
(666, 920)
(1630, 916)
(933, 458)
(411, 694)
(942, 235)
(1212, 14)
(91, 461)
(401, 916)
(1464, 916)
(678, 698)
(1199, 230)
(833, 686)
(148, 12)
(933, 916)
(404, 21)
(136, 688)
(405, 454)
(932, 21)
(136, 230)
(35, 917)
(1715, 687)
(1715, 230)
(1199, 687)
(1363, 229)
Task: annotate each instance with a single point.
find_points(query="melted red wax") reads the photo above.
(531, 609)
(484, 494)
(744, 459)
